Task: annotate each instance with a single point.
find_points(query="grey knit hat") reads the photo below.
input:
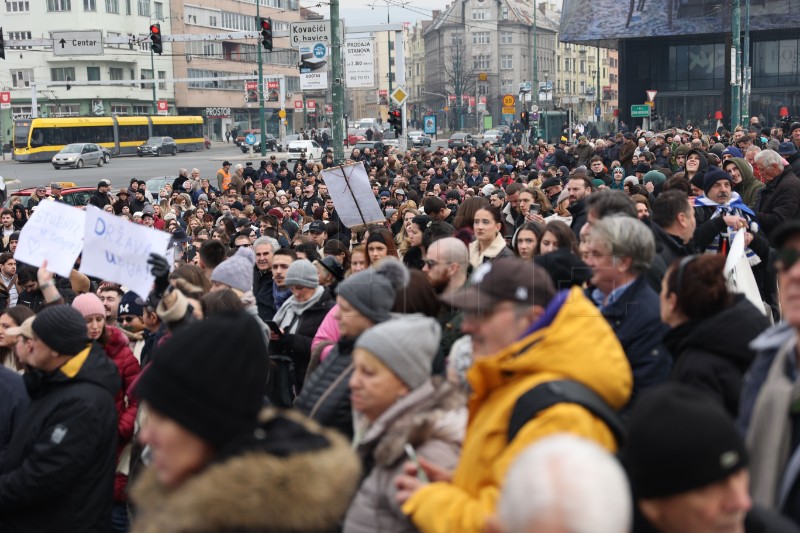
(301, 273)
(406, 345)
(237, 271)
(372, 292)
(61, 328)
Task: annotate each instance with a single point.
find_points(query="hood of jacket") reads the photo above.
(91, 365)
(433, 410)
(578, 344)
(292, 476)
(727, 334)
(703, 161)
(116, 342)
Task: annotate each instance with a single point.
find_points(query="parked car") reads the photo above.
(460, 140)
(154, 185)
(418, 138)
(355, 135)
(372, 145)
(312, 150)
(78, 155)
(77, 196)
(272, 144)
(157, 146)
(493, 136)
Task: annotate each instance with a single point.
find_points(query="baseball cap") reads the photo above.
(55, 185)
(504, 279)
(317, 226)
(25, 329)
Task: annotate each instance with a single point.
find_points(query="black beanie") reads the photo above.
(210, 378)
(713, 175)
(61, 328)
(680, 439)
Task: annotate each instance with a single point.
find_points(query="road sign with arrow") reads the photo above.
(77, 43)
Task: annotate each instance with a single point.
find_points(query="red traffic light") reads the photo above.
(266, 24)
(155, 28)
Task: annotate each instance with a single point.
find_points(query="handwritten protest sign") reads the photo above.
(115, 249)
(53, 233)
(352, 195)
(739, 274)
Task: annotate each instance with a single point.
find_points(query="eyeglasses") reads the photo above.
(787, 257)
(126, 319)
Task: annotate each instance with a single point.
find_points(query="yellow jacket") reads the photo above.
(578, 344)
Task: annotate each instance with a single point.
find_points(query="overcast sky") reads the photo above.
(361, 12)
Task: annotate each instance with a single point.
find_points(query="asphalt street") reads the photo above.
(122, 169)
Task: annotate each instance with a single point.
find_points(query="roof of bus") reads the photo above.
(173, 119)
(73, 121)
(132, 121)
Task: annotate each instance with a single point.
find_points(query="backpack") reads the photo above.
(550, 393)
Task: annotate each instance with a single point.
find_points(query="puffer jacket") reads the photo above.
(325, 397)
(571, 341)
(431, 418)
(749, 186)
(58, 470)
(117, 349)
(291, 476)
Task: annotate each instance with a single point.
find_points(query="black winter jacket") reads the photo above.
(58, 470)
(778, 202)
(668, 246)
(262, 290)
(13, 403)
(713, 354)
(326, 393)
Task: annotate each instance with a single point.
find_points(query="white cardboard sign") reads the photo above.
(53, 233)
(352, 195)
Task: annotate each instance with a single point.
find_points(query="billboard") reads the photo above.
(590, 21)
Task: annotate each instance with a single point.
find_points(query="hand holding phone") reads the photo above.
(273, 326)
(412, 456)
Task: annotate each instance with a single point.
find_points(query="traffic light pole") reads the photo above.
(261, 119)
(153, 70)
(337, 87)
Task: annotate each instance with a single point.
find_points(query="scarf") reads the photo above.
(734, 207)
(280, 295)
(769, 436)
(290, 312)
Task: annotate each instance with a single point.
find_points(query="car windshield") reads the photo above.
(72, 149)
(154, 140)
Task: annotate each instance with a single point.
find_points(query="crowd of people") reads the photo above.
(533, 339)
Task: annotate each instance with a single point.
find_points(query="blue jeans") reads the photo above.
(119, 518)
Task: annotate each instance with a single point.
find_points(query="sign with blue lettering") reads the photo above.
(320, 51)
(54, 233)
(117, 250)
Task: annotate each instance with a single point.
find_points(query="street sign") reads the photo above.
(298, 104)
(651, 95)
(534, 109)
(650, 104)
(77, 43)
(509, 110)
(282, 113)
(250, 139)
(525, 87)
(5, 100)
(399, 95)
(483, 76)
(509, 100)
(639, 111)
(163, 107)
(597, 111)
(304, 33)
(359, 63)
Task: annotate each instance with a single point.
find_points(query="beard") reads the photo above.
(440, 284)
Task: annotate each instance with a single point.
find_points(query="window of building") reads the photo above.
(18, 6)
(483, 89)
(21, 78)
(116, 73)
(212, 20)
(59, 5)
(63, 110)
(90, 5)
(482, 62)
(146, 74)
(506, 61)
(143, 8)
(583, 87)
(456, 39)
(506, 85)
(504, 13)
(119, 110)
(142, 109)
(481, 37)
(93, 73)
(583, 66)
(162, 75)
(18, 36)
(112, 6)
(506, 37)
(62, 74)
(158, 10)
(480, 14)
(127, 7)
(566, 64)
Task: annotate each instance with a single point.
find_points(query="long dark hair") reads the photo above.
(496, 215)
(19, 314)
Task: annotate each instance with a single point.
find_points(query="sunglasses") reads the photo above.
(126, 319)
(787, 257)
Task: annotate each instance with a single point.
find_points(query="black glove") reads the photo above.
(160, 269)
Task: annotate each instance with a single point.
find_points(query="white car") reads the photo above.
(419, 138)
(312, 150)
(493, 136)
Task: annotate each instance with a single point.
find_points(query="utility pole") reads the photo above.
(746, 63)
(337, 87)
(153, 70)
(535, 77)
(389, 47)
(598, 97)
(736, 63)
(261, 119)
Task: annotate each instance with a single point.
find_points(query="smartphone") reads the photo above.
(536, 209)
(412, 456)
(273, 326)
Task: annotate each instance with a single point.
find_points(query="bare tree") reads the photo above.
(461, 74)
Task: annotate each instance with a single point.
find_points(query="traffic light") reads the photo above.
(266, 34)
(654, 114)
(2, 45)
(526, 119)
(396, 121)
(155, 38)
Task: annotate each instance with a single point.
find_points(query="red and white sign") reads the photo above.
(472, 101)
(328, 109)
(163, 107)
(311, 105)
(5, 100)
(298, 104)
(273, 85)
(651, 96)
(451, 98)
(482, 100)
